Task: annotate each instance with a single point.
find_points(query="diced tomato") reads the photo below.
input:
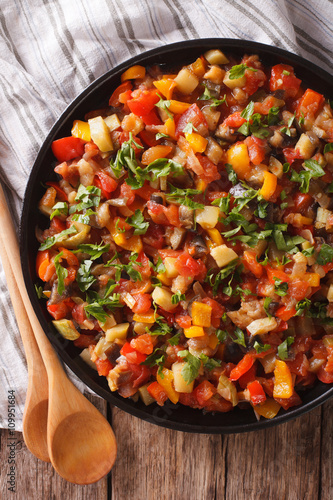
(60, 192)
(142, 303)
(297, 289)
(283, 78)
(324, 376)
(141, 374)
(156, 212)
(172, 214)
(235, 120)
(256, 148)
(79, 313)
(124, 137)
(210, 169)
(57, 225)
(257, 393)
(67, 148)
(217, 403)
(299, 365)
(114, 99)
(302, 201)
(278, 274)
(291, 154)
(103, 366)
(250, 262)
(254, 80)
(203, 392)
(132, 355)
(158, 393)
(194, 115)
(189, 267)
(149, 138)
(144, 268)
(242, 367)
(106, 184)
(309, 104)
(143, 101)
(61, 309)
(143, 344)
(127, 192)
(84, 341)
(151, 118)
(154, 236)
(146, 191)
(183, 320)
(287, 403)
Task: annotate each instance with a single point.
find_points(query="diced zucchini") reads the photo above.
(100, 134)
(268, 362)
(117, 332)
(207, 217)
(170, 269)
(275, 166)
(186, 81)
(215, 56)
(109, 323)
(85, 355)
(162, 297)
(100, 348)
(145, 396)
(178, 381)
(237, 82)
(223, 255)
(305, 147)
(322, 216)
(261, 326)
(112, 122)
(77, 238)
(129, 300)
(66, 328)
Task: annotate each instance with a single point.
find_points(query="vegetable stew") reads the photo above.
(189, 250)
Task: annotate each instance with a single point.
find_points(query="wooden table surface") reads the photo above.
(293, 461)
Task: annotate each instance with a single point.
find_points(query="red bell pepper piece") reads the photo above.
(257, 393)
(158, 393)
(103, 366)
(284, 313)
(114, 99)
(310, 104)
(242, 367)
(67, 148)
(132, 355)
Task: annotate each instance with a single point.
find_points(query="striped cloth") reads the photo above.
(52, 49)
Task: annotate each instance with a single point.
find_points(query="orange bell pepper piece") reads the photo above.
(269, 185)
(165, 86)
(283, 384)
(133, 72)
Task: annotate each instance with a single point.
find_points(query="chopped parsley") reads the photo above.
(51, 240)
(84, 278)
(95, 251)
(59, 209)
(238, 71)
(283, 348)
(184, 197)
(325, 255)
(138, 222)
(313, 170)
(177, 297)
(62, 273)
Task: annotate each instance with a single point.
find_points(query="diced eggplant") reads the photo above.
(177, 237)
(186, 217)
(238, 190)
(113, 353)
(200, 247)
(158, 198)
(273, 307)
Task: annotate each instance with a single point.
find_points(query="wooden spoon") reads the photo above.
(81, 444)
(36, 403)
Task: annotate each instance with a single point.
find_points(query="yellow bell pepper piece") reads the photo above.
(164, 279)
(269, 408)
(167, 383)
(197, 142)
(194, 331)
(213, 341)
(238, 157)
(133, 244)
(178, 107)
(198, 67)
(169, 128)
(269, 185)
(215, 236)
(147, 317)
(136, 71)
(283, 384)
(312, 278)
(81, 130)
(165, 86)
(201, 314)
(200, 184)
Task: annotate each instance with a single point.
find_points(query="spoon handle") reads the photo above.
(35, 408)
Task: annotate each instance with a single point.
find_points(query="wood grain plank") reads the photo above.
(37, 480)
(326, 483)
(282, 462)
(160, 464)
